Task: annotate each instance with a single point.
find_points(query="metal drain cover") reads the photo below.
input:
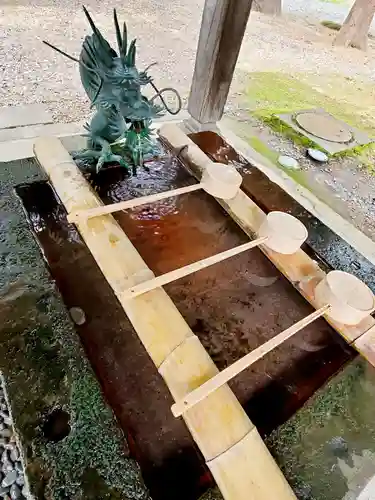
(324, 126)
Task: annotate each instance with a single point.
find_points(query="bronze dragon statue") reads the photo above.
(120, 130)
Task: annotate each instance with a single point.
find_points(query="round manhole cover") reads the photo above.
(324, 126)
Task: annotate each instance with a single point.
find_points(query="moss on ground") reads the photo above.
(92, 451)
(270, 93)
(340, 412)
(263, 149)
(331, 25)
(213, 494)
(44, 367)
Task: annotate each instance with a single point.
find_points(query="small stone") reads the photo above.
(4, 456)
(78, 316)
(9, 479)
(19, 467)
(5, 433)
(4, 490)
(8, 467)
(4, 416)
(14, 454)
(15, 492)
(288, 162)
(25, 491)
(317, 155)
(20, 480)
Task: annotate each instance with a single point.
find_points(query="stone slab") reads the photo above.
(32, 131)
(20, 116)
(45, 367)
(342, 227)
(327, 450)
(360, 138)
(22, 147)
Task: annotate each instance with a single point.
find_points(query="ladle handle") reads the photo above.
(135, 202)
(226, 375)
(162, 280)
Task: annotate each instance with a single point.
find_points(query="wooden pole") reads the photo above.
(218, 424)
(135, 202)
(222, 30)
(239, 366)
(189, 269)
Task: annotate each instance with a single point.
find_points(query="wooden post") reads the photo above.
(222, 30)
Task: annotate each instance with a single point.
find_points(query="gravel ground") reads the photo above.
(12, 479)
(167, 31)
(322, 10)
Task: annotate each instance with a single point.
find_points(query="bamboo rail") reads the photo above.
(239, 460)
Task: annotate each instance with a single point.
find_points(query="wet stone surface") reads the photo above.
(45, 368)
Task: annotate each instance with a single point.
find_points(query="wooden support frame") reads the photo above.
(239, 460)
(222, 30)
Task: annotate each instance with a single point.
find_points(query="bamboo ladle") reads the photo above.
(346, 299)
(280, 232)
(218, 180)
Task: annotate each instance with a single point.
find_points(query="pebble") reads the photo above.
(20, 480)
(10, 478)
(14, 454)
(78, 315)
(288, 162)
(317, 155)
(15, 492)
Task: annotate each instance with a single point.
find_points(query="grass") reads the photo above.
(342, 2)
(269, 94)
(332, 25)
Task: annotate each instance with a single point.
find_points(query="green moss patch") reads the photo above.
(332, 25)
(270, 93)
(305, 446)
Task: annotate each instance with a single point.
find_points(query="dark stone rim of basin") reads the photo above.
(44, 367)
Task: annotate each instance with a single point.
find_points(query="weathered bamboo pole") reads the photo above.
(347, 299)
(204, 390)
(176, 274)
(239, 460)
(300, 269)
(135, 202)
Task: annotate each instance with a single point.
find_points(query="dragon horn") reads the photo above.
(131, 54)
(124, 42)
(61, 52)
(118, 32)
(93, 27)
